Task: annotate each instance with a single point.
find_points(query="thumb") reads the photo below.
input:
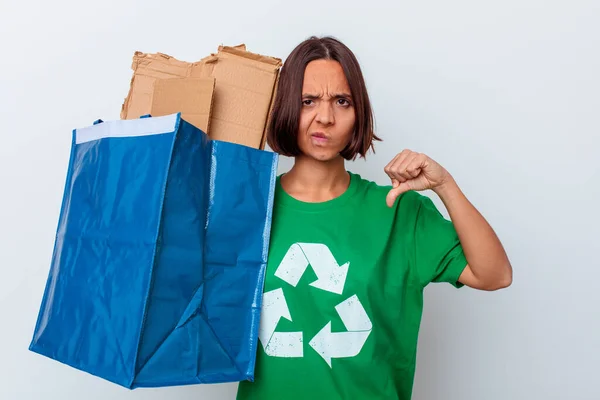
(396, 191)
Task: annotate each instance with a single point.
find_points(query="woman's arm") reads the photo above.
(488, 265)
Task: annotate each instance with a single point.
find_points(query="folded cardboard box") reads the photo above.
(228, 94)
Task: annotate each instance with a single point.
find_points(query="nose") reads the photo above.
(325, 113)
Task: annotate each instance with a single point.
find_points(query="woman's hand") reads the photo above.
(414, 171)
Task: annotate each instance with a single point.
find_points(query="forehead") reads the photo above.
(325, 76)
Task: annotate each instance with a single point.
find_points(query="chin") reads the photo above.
(323, 156)
(320, 153)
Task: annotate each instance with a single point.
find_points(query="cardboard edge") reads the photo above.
(208, 59)
(125, 104)
(127, 100)
(212, 103)
(137, 55)
(146, 59)
(276, 62)
(263, 141)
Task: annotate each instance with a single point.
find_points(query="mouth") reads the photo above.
(319, 137)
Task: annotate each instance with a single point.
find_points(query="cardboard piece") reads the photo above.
(244, 87)
(193, 97)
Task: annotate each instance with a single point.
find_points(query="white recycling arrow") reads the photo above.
(278, 344)
(330, 276)
(344, 344)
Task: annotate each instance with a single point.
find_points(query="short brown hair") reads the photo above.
(282, 130)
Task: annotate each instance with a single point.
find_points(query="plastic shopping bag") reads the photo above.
(161, 248)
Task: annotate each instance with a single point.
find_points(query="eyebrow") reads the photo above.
(312, 96)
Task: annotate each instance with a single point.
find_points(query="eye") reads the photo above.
(343, 102)
(307, 102)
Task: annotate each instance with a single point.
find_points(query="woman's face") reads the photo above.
(327, 115)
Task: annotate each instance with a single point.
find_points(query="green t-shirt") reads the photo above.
(343, 294)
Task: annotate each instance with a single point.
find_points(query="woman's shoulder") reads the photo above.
(367, 185)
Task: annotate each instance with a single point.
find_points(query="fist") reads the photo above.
(413, 171)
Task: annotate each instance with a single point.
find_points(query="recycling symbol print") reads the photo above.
(331, 277)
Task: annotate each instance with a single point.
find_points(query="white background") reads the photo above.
(506, 95)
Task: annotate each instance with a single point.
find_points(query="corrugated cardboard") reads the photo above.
(157, 97)
(193, 97)
(243, 91)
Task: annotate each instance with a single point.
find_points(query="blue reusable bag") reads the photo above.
(160, 253)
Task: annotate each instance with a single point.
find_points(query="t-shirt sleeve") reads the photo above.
(438, 253)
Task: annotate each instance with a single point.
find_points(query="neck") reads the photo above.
(316, 181)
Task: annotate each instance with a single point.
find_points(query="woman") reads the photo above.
(349, 259)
